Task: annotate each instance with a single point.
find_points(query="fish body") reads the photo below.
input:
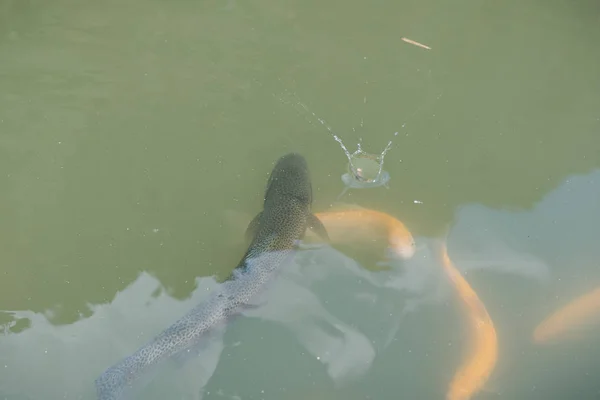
(483, 353)
(567, 320)
(361, 224)
(274, 234)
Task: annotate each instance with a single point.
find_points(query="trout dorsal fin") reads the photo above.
(315, 225)
(253, 227)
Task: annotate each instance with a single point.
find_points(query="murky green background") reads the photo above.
(132, 134)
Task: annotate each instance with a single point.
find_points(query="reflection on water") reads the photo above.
(153, 115)
(86, 347)
(478, 244)
(342, 314)
(48, 361)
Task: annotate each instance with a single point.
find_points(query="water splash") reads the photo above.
(358, 176)
(365, 170)
(359, 153)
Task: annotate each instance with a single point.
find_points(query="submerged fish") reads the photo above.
(274, 234)
(354, 223)
(582, 311)
(483, 353)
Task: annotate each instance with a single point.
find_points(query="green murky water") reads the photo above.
(133, 133)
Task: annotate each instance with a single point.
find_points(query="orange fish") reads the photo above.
(360, 224)
(350, 223)
(483, 354)
(574, 315)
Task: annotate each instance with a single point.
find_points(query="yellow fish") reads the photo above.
(483, 353)
(581, 311)
(350, 223)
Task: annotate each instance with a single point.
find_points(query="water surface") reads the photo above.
(128, 131)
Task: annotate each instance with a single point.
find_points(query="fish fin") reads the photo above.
(343, 192)
(315, 225)
(255, 307)
(253, 227)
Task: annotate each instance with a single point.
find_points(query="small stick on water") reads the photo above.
(409, 41)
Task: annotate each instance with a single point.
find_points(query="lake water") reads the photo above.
(133, 135)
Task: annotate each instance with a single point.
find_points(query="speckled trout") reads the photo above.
(274, 235)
